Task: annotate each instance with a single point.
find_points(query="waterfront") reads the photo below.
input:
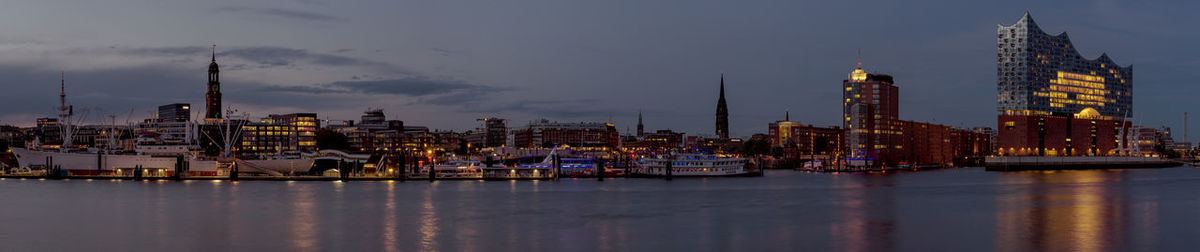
(952, 209)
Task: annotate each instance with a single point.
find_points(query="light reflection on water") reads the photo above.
(956, 210)
(303, 223)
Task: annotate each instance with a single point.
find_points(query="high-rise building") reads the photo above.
(722, 113)
(213, 97)
(1052, 101)
(870, 116)
(178, 112)
(875, 135)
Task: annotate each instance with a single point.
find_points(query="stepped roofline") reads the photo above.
(1027, 22)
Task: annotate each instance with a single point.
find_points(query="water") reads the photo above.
(945, 210)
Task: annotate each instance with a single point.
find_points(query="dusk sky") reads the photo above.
(444, 63)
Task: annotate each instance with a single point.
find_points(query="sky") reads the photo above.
(442, 64)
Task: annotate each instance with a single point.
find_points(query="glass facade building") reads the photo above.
(1054, 102)
(1043, 74)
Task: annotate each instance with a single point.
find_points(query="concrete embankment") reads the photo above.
(1074, 163)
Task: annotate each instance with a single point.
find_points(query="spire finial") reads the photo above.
(722, 85)
(214, 53)
(787, 116)
(860, 58)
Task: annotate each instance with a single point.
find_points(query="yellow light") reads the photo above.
(858, 75)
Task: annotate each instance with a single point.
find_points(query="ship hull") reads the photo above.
(92, 163)
(123, 164)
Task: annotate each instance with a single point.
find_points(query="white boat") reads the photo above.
(814, 165)
(455, 169)
(691, 165)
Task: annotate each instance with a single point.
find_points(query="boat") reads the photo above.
(541, 170)
(814, 165)
(691, 165)
(456, 169)
(518, 172)
(569, 167)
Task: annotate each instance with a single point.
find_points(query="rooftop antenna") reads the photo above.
(859, 58)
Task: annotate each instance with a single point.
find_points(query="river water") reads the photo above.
(944, 210)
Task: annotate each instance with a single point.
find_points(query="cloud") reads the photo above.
(164, 51)
(444, 51)
(416, 86)
(282, 13)
(410, 86)
(580, 108)
(283, 56)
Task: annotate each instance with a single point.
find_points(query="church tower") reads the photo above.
(641, 130)
(722, 113)
(213, 97)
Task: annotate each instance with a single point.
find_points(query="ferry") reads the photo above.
(692, 165)
(460, 169)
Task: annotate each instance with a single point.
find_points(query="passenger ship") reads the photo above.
(455, 169)
(692, 165)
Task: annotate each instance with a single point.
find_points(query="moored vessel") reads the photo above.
(691, 165)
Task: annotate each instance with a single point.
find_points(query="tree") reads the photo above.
(332, 140)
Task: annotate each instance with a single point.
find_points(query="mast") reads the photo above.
(64, 115)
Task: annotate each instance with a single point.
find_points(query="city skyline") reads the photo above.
(447, 87)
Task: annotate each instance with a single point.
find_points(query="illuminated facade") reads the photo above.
(543, 133)
(1040, 74)
(805, 139)
(306, 126)
(261, 139)
(1054, 102)
(870, 116)
(874, 135)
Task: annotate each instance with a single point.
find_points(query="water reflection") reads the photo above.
(1061, 211)
(429, 221)
(389, 219)
(944, 210)
(865, 212)
(303, 224)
